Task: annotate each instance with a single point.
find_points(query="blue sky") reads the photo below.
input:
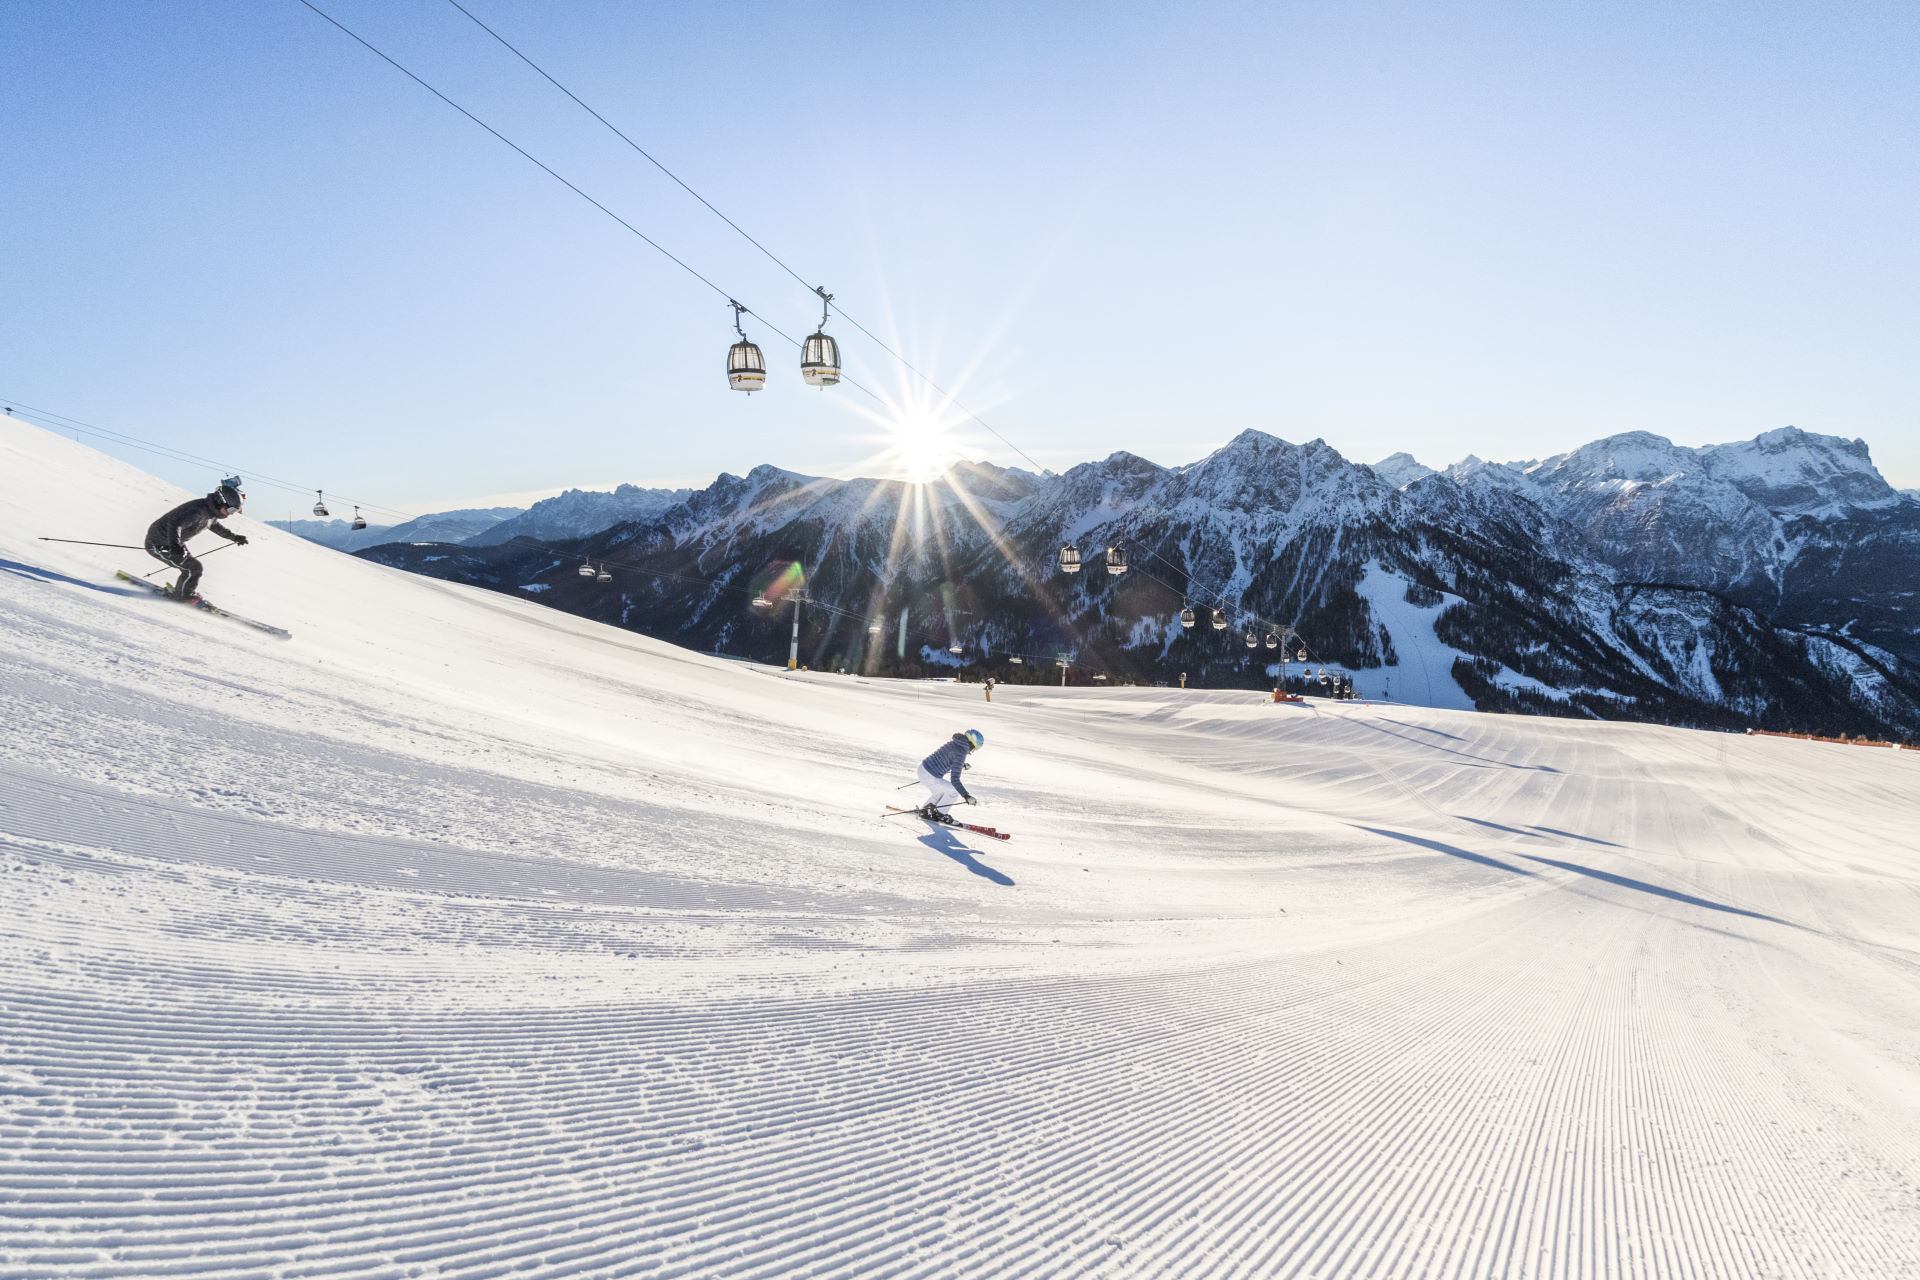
(1502, 229)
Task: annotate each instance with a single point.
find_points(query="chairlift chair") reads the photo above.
(820, 354)
(319, 504)
(605, 574)
(1016, 660)
(1253, 641)
(878, 625)
(1187, 619)
(585, 570)
(746, 367)
(1273, 641)
(1117, 558)
(1219, 619)
(761, 602)
(955, 649)
(1069, 559)
(359, 521)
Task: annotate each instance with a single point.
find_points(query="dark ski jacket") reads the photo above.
(948, 761)
(184, 521)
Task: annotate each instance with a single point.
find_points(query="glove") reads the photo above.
(973, 800)
(239, 539)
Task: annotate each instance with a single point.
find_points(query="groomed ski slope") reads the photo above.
(460, 937)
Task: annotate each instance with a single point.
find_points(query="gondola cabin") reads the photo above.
(746, 367)
(820, 354)
(820, 360)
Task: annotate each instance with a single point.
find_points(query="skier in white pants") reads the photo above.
(940, 775)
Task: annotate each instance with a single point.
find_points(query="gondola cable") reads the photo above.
(773, 257)
(556, 176)
(50, 419)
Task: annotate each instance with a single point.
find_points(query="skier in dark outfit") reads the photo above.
(167, 536)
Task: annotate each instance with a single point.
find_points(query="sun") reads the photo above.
(921, 448)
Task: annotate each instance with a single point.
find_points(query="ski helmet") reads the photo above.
(975, 740)
(227, 495)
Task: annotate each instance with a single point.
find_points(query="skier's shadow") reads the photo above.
(941, 840)
(34, 573)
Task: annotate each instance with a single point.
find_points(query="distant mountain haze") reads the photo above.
(443, 526)
(579, 512)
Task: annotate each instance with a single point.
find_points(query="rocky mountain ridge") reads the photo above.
(1797, 525)
(1491, 585)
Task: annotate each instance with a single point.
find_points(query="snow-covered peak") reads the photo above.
(1635, 457)
(1256, 471)
(1476, 472)
(985, 482)
(1790, 470)
(1401, 470)
(1786, 472)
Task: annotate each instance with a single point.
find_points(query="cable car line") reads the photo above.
(649, 157)
(773, 257)
(547, 169)
(1270, 628)
(58, 420)
(650, 241)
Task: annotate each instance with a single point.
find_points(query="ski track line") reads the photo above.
(91, 1033)
(1093, 1103)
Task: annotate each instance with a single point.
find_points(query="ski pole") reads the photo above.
(165, 567)
(80, 542)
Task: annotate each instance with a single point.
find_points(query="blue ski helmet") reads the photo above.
(975, 740)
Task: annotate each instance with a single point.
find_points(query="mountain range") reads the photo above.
(1766, 583)
(442, 526)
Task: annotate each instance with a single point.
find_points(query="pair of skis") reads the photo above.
(214, 609)
(948, 820)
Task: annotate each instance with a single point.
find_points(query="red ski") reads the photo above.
(946, 820)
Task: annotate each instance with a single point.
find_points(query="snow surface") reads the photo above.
(1425, 667)
(458, 936)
